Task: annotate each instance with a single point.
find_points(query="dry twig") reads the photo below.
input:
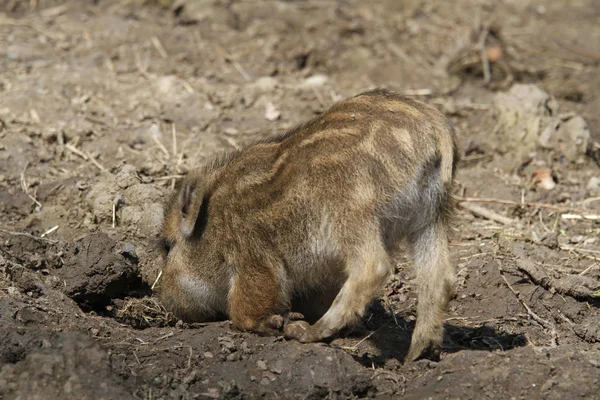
(41, 239)
(485, 62)
(28, 24)
(156, 280)
(576, 286)
(418, 92)
(486, 213)
(589, 200)
(25, 187)
(168, 177)
(353, 348)
(236, 65)
(160, 145)
(591, 217)
(76, 151)
(570, 285)
(545, 324)
(174, 134)
(579, 249)
(168, 335)
(514, 203)
(585, 271)
(159, 47)
(96, 163)
(49, 231)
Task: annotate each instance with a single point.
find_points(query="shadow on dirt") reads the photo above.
(391, 336)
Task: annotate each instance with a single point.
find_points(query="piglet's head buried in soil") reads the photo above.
(318, 211)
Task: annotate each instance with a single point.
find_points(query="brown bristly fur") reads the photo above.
(318, 210)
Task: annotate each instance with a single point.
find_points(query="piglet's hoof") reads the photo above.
(424, 351)
(275, 322)
(291, 316)
(303, 332)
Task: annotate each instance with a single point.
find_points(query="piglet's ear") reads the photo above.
(194, 210)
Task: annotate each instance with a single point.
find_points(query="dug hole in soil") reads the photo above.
(104, 105)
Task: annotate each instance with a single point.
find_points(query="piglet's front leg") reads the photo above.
(256, 303)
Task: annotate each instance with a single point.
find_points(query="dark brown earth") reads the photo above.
(104, 104)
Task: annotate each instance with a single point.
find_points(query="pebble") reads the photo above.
(314, 81)
(269, 375)
(265, 381)
(278, 368)
(260, 364)
(593, 183)
(271, 112)
(265, 84)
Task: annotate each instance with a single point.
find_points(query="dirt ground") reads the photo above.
(105, 104)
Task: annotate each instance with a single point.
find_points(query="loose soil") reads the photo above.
(105, 104)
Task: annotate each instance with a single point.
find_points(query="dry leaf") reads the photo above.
(493, 53)
(543, 179)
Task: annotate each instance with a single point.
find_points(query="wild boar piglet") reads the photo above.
(315, 213)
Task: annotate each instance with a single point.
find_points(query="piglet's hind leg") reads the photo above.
(435, 279)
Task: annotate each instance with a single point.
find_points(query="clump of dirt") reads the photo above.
(127, 199)
(97, 270)
(132, 202)
(589, 329)
(66, 365)
(529, 117)
(472, 375)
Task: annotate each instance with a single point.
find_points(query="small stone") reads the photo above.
(314, 81)
(271, 112)
(128, 250)
(265, 381)
(260, 364)
(265, 83)
(50, 134)
(208, 354)
(593, 183)
(269, 375)
(278, 368)
(577, 239)
(127, 176)
(82, 185)
(548, 385)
